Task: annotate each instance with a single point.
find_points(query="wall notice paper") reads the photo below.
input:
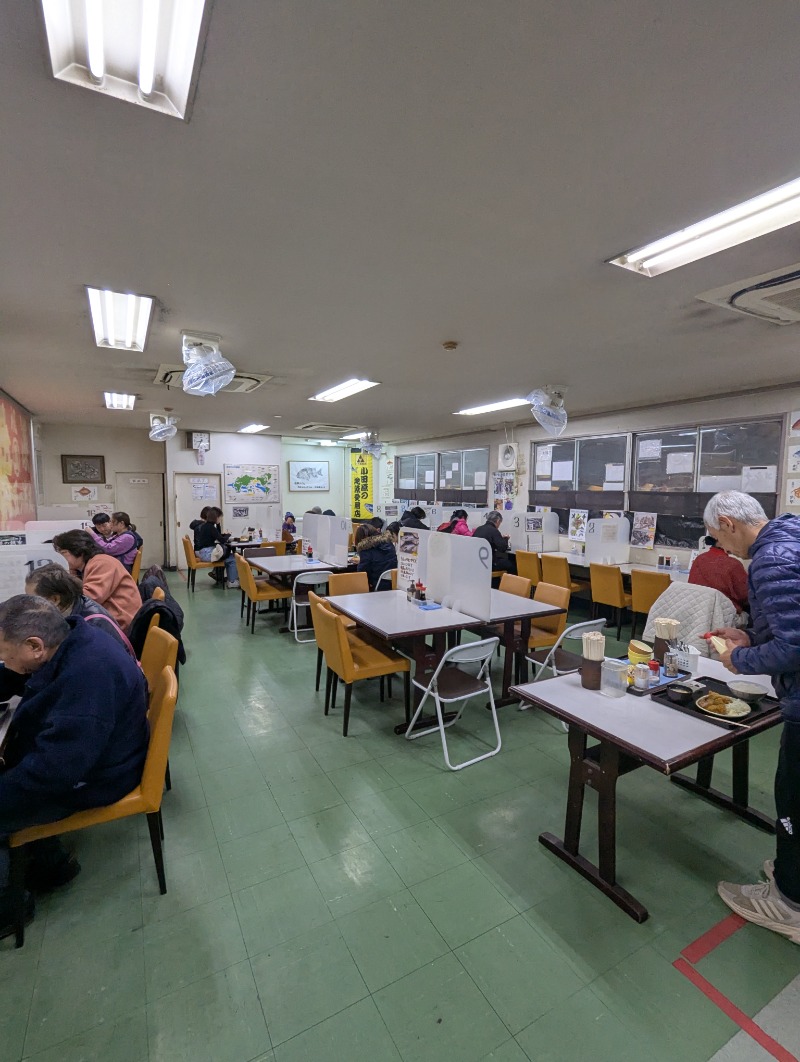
(760, 479)
(241, 512)
(406, 484)
(480, 479)
(504, 489)
(608, 532)
(650, 450)
(362, 477)
(84, 493)
(643, 532)
(562, 471)
(793, 491)
(542, 508)
(533, 523)
(578, 519)
(544, 484)
(615, 473)
(99, 507)
(680, 462)
(544, 459)
(429, 479)
(794, 423)
(609, 514)
(793, 459)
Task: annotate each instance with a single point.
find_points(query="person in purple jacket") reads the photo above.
(78, 737)
(122, 542)
(770, 646)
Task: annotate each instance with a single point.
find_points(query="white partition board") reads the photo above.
(316, 533)
(607, 541)
(460, 574)
(339, 528)
(513, 525)
(17, 562)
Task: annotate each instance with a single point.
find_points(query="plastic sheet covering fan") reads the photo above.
(547, 406)
(207, 371)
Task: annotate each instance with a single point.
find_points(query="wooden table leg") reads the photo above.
(738, 803)
(599, 768)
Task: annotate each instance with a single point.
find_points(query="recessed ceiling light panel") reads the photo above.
(115, 401)
(765, 213)
(146, 52)
(343, 390)
(120, 320)
(492, 407)
(251, 429)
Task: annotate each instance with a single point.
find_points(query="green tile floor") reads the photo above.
(337, 898)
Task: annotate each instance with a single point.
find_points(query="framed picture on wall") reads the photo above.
(82, 468)
(309, 475)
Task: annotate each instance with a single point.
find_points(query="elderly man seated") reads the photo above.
(78, 737)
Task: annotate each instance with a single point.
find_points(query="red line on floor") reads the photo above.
(745, 1023)
(712, 938)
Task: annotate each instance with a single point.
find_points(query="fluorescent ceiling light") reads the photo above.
(327, 442)
(120, 320)
(343, 390)
(355, 436)
(509, 403)
(765, 213)
(143, 51)
(251, 429)
(115, 401)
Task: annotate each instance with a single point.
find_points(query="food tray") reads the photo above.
(765, 706)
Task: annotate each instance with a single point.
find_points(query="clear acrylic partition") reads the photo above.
(608, 541)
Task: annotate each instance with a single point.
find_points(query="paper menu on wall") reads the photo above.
(643, 532)
(615, 473)
(793, 459)
(480, 479)
(759, 479)
(429, 479)
(649, 449)
(793, 491)
(562, 471)
(680, 462)
(544, 459)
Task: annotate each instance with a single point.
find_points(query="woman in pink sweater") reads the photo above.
(456, 525)
(105, 580)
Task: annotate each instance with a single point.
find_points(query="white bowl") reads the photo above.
(751, 692)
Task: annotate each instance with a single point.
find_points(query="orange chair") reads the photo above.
(515, 584)
(145, 799)
(314, 601)
(280, 548)
(160, 650)
(548, 629)
(607, 589)
(258, 592)
(193, 563)
(158, 594)
(137, 565)
(348, 583)
(529, 566)
(351, 660)
(646, 587)
(555, 570)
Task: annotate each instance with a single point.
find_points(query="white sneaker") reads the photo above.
(769, 869)
(763, 905)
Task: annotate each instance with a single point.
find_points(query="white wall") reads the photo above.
(337, 498)
(227, 448)
(124, 450)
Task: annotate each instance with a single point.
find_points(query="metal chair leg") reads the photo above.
(16, 886)
(158, 852)
(348, 691)
(319, 668)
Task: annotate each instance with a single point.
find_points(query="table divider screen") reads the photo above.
(460, 574)
(607, 541)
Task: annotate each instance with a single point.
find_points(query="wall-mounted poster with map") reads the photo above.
(252, 484)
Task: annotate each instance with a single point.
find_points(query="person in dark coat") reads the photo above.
(499, 543)
(376, 553)
(414, 518)
(152, 578)
(79, 735)
(195, 525)
(771, 646)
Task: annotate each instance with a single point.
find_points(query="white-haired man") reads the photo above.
(771, 646)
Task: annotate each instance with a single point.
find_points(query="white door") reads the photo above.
(193, 492)
(141, 496)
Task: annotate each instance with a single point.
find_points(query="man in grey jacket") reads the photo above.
(771, 646)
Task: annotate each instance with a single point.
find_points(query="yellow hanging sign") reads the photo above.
(361, 485)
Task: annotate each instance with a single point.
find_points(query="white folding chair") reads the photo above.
(304, 579)
(561, 661)
(450, 684)
(385, 577)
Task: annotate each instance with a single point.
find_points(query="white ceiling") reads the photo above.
(363, 180)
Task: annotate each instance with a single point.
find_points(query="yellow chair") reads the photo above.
(351, 660)
(607, 589)
(314, 601)
(529, 566)
(257, 593)
(555, 571)
(548, 629)
(145, 799)
(193, 563)
(280, 548)
(348, 583)
(137, 565)
(515, 584)
(160, 650)
(158, 594)
(646, 587)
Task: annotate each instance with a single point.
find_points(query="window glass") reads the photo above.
(554, 465)
(740, 457)
(665, 460)
(450, 470)
(407, 472)
(602, 462)
(475, 474)
(426, 475)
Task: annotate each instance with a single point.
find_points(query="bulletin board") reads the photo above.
(17, 487)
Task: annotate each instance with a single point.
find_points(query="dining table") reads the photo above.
(632, 732)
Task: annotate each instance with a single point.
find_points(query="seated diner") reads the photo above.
(104, 579)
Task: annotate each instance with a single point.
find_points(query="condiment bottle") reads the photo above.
(655, 672)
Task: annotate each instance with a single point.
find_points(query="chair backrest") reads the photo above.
(160, 651)
(606, 583)
(287, 536)
(646, 587)
(389, 576)
(697, 608)
(137, 565)
(573, 633)
(279, 547)
(472, 653)
(529, 566)
(332, 639)
(259, 551)
(515, 584)
(309, 579)
(191, 556)
(348, 583)
(548, 594)
(247, 581)
(555, 570)
(158, 594)
(160, 716)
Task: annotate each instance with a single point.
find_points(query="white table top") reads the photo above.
(391, 615)
(661, 734)
(506, 606)
(580, 561)
(289, 565)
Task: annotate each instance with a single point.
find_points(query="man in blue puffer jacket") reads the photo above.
(770, 647)
(78, 737)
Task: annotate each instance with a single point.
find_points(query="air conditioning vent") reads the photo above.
(332, 431)
(507, 457)
(243, 383)
(772, 297)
